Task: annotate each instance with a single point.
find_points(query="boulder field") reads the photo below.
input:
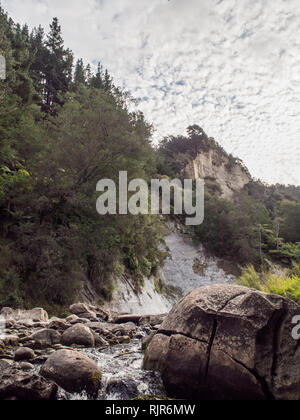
(228, 342)
(219, 342)
(38, 355)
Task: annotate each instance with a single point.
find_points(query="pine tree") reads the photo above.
(79, 74)
(58, 67)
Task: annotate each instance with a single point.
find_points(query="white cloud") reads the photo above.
(231, 66)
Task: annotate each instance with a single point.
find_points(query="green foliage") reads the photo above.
(287, 285)
(59, 136)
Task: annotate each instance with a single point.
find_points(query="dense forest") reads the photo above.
(62, 128)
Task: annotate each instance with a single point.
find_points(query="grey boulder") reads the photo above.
(228, 342)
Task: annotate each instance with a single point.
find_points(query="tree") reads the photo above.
(59, 62)
(79, 74)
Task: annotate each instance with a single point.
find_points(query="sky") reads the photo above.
(230, 66)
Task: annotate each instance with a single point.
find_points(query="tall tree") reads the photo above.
(59, 64)
(80, 73)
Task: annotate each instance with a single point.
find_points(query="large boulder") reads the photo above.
(78, 334)
(73, 371)
(46, 337)
(16, 384)
(228, 342)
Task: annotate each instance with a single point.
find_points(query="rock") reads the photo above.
(123, 319)
(24, 353)
(46, 337)
(89, 312)
(26, 366)
(122, 389)
(99, 341)
(125, 329)
(72, 318)
(11, 340)
(17, 385)
(147, 340)
(73, 371)
(228, 342)
(33, 315)
(82, 311)
(58, 324)
(152, 320)
(78, 334)
(78, 308)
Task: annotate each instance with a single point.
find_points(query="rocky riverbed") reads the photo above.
(218, 342)
(92, 354)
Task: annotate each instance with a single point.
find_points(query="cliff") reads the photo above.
(217, 166)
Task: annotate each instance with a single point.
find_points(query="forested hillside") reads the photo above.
(63, 127)
(61, 130)
(261, 222)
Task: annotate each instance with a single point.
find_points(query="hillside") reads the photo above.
(64, 127)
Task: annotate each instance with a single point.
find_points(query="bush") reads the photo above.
(286, 285)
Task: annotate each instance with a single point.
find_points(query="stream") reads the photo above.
(122, 375)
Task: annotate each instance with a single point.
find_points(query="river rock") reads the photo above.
(58, 324)
(78, 334)
(228, 342)
(46, 337)
(26, 366)
(73, 371)
(122, 389)
(24, 353)
(20, 385)
(82, 310)
(33, 315)
(11, 340)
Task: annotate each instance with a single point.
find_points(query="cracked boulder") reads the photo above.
(228, 342)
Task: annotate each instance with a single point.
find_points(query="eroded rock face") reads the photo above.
(73, 371)
(215, 165)
(228, 342)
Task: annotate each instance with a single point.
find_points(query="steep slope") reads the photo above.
(230, 174)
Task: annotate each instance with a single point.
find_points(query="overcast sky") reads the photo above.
(230, 66)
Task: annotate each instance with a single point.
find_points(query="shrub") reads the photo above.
(286, 285)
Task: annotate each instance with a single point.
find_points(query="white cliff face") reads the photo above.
(189, 267)
(213, 164)
(149, 301)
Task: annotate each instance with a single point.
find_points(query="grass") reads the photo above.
(286, 285)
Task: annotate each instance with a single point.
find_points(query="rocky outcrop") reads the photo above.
(73, 371)
(228, 342)
(230, 174)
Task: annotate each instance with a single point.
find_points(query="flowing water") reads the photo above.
(187, 267)
(122, 375)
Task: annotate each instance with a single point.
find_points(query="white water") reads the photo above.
(122, 375)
